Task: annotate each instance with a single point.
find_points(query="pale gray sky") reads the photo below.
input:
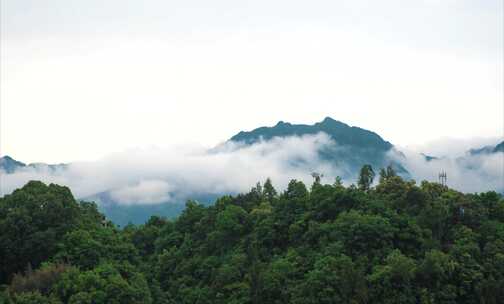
(82, 79)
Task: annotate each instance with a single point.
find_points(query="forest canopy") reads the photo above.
(387, 242)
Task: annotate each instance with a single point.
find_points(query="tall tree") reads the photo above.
(269, 191)
(366, 177)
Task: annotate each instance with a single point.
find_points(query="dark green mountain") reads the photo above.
(354, 146)
(340, 132)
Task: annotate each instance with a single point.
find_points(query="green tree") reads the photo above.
(366, 177)
(276, 281)
(104, 284)
(333, 280)
(33, 219)
(232, 222)
(436, 274)
(394, 281)
(397, 243)
(338, 182)
(269, 191)
(363, 234)
(387, 173)
(33, 298)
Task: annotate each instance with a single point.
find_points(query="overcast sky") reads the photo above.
(82, 79)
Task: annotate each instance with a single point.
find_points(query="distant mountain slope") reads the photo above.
(488, 149)
(354, 146)
(499, 147)
(429, 157)
(473, 159)
(124, 214)
(120, 214)
(9, 165)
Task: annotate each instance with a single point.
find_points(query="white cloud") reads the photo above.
(452, 147)
(157, 175)
(468, 173)
(143, 192)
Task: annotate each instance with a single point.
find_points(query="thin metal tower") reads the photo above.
(443, 178)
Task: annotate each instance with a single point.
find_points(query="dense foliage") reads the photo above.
(396, 242)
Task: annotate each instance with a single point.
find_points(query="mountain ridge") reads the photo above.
(354, 148)
(342, 133)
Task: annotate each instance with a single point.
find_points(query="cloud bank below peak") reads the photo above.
(155, 175)
(149, 176)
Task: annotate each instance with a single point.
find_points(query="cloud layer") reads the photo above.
(154, 175)
(161, 175)
(466, 172)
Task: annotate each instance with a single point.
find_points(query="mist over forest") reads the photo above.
(130, 186)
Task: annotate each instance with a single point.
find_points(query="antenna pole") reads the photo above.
(443, 178)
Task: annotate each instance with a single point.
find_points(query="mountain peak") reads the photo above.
(9, 164)
(355, 146)
(329, 120)
(340, 132)
(282, 123)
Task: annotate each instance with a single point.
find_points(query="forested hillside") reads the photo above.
(396, 242)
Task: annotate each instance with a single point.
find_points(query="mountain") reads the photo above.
(429, 157)
(9, 165)
(354, 147)
(342, 133)
(487, 149)
(482, 162)
(499, 147)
